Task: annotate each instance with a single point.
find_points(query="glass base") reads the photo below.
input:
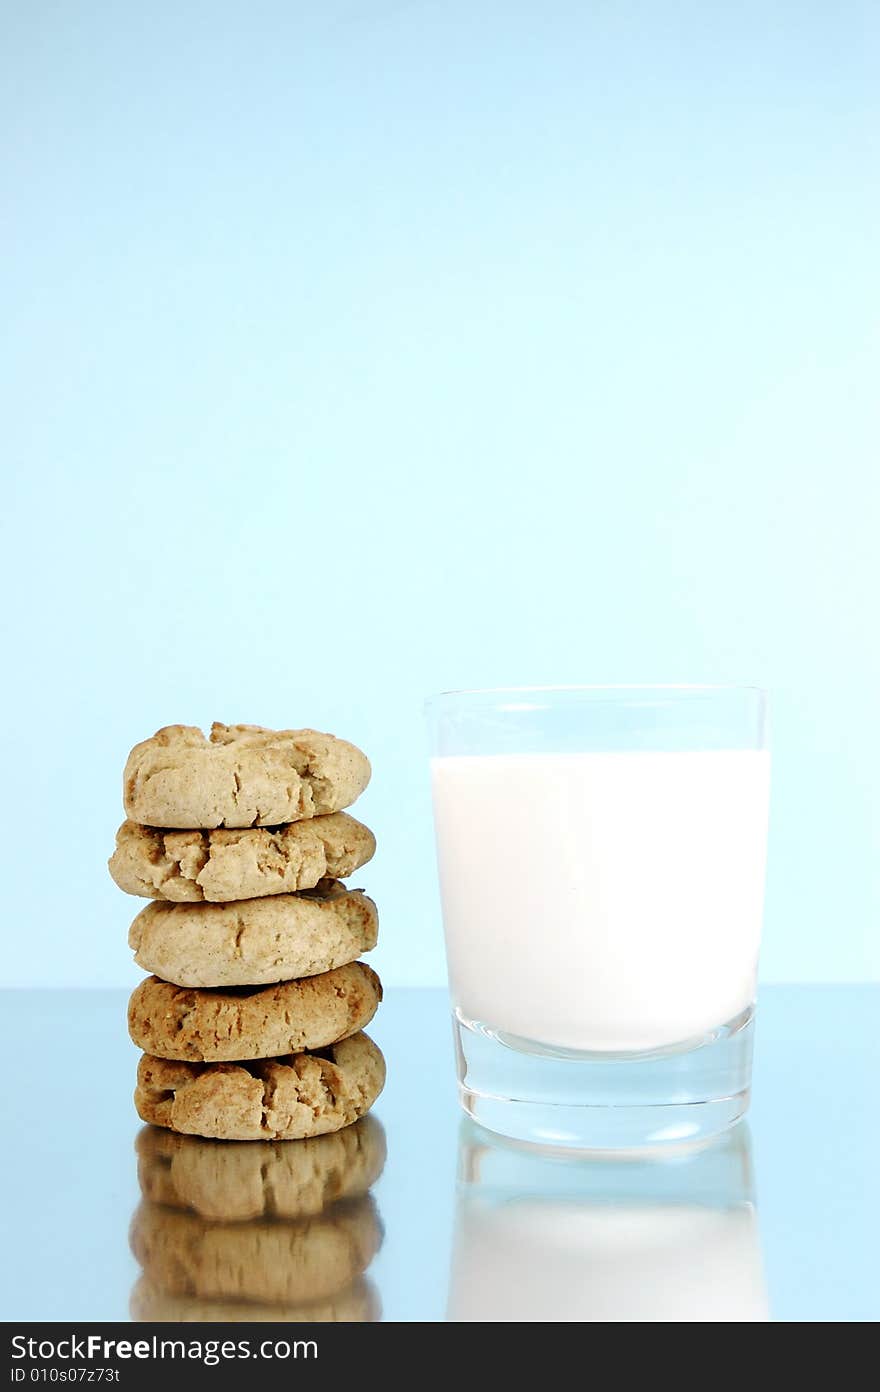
(609, 1102)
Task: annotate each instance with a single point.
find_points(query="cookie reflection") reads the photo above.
(542, 1239)
(359, 1304)
(257, 1230)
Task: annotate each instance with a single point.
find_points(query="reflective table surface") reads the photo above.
(424, 1218)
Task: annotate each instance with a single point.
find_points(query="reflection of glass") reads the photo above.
(544, 1239)
(601, 854)
(257, 1230)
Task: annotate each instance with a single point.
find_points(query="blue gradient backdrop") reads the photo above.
(356, 350)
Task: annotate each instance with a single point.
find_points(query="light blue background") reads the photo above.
(355, 351)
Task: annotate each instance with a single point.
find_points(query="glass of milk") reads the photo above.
(601, 853)
(606, 1239)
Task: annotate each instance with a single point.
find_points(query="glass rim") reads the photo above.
(611, 688)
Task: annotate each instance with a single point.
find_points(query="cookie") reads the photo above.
(252, 1022)
(229, 1182)
(243, 776)
(255, 941)
(276, 1263)
(280, 1099)
(223, 865)
(358, 1304)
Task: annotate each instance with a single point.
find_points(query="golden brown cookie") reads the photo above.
(252, 1022)
(222, 865)
(229, 1182)
(243, 776)
(255, 941)
(307, 1094)
(358, 1304)
(273, 1262)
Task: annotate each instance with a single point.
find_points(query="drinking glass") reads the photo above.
(601, 855)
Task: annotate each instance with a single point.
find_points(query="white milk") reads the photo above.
(535, 1260)
(602, 901)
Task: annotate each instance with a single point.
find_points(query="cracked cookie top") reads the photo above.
(223, 865)
(255, 941)
(174, 1022)
(242, 776)
(281, 1099)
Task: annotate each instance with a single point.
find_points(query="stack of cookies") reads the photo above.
(252, 1021)
(261, 1232)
